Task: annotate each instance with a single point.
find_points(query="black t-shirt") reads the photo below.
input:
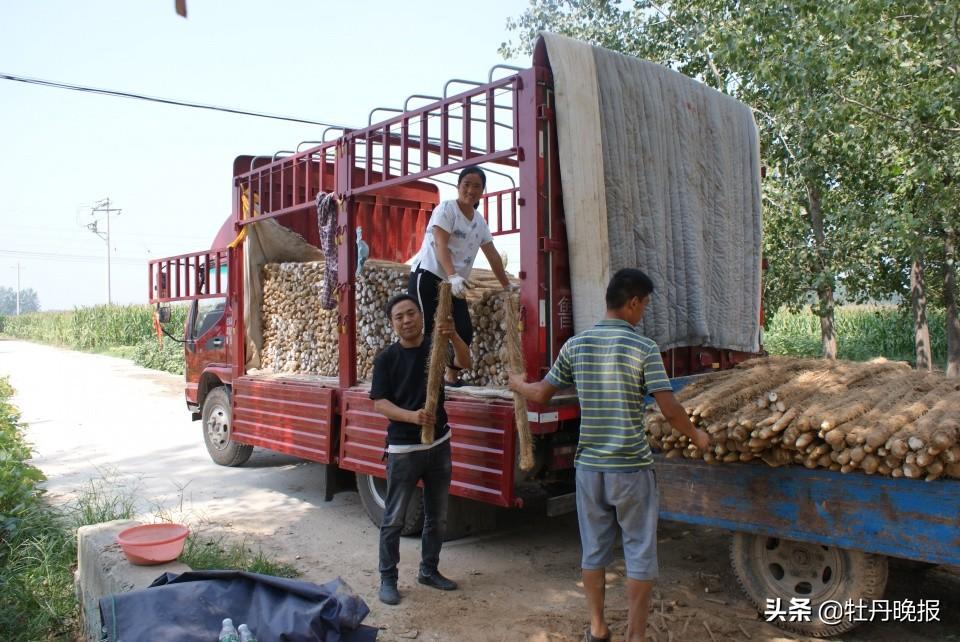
(400, 377)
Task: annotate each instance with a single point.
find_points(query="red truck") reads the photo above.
(791, 524)
(386, 174)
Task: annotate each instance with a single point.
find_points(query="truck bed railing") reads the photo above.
(289, 184)
(199, 275)
(442, 136)
(500, 211)
(468, 134)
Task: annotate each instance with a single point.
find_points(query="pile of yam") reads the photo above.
(879, 417)
(299, 336)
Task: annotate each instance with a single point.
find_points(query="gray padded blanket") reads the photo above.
(667, 170)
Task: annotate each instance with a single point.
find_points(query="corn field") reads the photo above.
(863, 332)
(101, 327)
(92, 328)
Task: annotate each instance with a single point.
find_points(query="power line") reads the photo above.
(71, 231)
(155, 99)
(69, 258)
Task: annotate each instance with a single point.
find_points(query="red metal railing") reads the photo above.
(188, 276)
(288, 184)
(453, 145)
(500, 211)
(447, 134)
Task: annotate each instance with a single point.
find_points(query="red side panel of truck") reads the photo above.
(482, 439)
(288, 416)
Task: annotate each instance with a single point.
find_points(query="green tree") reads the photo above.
(29, 301)
(904, 80)
(769, 55)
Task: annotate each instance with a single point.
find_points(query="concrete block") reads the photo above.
(103, 570)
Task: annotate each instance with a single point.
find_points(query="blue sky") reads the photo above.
(169, 168)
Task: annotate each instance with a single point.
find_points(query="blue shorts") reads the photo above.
(629, 502)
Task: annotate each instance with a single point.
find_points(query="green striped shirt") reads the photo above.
(613, 366)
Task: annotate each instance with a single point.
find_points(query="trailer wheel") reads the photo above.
(373, 496)
(217, 421)
(771, 568)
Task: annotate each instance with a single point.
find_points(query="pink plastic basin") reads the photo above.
(153, 543)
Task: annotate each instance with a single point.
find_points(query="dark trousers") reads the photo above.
(404, 470)
(424, 286)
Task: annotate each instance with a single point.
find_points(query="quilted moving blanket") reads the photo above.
(667, 170)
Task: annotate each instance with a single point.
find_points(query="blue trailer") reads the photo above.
(816, 535)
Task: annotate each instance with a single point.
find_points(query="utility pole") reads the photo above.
(18, 288)
(103, 206)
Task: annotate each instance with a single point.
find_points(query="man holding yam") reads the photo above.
(399, 391)
(613, 368)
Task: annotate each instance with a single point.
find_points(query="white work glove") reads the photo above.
(513, 288)
(458, 286)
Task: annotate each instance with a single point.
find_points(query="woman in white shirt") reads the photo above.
(454, 234)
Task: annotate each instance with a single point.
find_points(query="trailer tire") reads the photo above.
(770, 567)
(216, 422)
(373, 496)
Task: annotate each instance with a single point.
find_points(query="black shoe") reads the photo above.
(437, 581)
(388, 593)
(589, 637)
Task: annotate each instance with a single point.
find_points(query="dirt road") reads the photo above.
(92, 416)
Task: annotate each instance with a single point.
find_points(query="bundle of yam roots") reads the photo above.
(299, 336)
(879, 417)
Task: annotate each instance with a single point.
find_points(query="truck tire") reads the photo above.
(467, 517)
(216, 420)
(780, 569)
(373, 496)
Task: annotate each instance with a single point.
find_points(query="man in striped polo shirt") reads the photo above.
(613, 367)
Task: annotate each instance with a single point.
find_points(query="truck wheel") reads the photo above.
(771, 568)
(216, 421)
(468, 517)
(373, 496)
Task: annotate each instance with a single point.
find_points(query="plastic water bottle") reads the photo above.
(228, 633)
(246, 635)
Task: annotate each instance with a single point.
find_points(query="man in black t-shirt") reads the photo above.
(399, 391)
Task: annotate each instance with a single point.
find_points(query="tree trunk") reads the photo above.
(921, 330)
(828, 340)
(950, 302)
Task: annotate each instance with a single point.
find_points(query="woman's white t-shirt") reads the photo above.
(466, 237)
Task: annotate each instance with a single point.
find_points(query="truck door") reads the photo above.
(206, 336)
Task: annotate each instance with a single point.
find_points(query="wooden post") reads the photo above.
(438, 358)
(515, 362)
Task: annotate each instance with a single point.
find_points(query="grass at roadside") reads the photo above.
(38, 548)
(201, 552)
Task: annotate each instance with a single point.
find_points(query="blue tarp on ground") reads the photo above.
(191, 606)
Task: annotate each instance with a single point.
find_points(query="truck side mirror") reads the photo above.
(163, 313)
